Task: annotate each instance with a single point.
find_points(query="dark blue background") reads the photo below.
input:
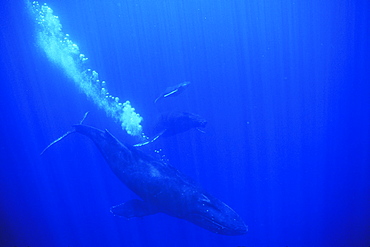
(284, 86)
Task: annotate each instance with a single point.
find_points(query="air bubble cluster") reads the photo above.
(61, 50)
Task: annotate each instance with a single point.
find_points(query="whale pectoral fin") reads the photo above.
(170, 93)
(150, 141)
(133, 208)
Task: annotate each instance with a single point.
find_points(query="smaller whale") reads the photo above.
(172, 91)
(173, 123)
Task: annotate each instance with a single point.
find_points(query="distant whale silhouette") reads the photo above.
(173, 123)
(174, 90)
(161, 187)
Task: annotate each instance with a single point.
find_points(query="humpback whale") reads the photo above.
(161, 187)
(174, 90)
(173, 123)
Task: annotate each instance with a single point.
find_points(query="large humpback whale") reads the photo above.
(161, 187)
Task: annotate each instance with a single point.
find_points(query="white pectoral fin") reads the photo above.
(170, 93)
(133, 208)
(150, 141)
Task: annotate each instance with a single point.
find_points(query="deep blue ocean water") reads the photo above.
(284, 86)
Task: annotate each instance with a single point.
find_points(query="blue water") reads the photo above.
(284, 86)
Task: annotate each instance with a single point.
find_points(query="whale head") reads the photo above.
(214, 215)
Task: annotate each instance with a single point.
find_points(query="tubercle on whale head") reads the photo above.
(215, 216)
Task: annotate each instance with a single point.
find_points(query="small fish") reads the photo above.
(171, 91)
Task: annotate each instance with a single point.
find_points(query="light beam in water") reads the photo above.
(60, 49)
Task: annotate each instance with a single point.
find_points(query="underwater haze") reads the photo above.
(283, 85)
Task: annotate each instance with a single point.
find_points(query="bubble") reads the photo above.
(61, 50)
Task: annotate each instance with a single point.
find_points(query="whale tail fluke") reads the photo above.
(63, 136)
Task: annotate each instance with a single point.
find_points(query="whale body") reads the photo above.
(173, 123)
(162, 188)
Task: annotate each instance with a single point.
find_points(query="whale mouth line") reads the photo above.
(216, 226)
(208, 219)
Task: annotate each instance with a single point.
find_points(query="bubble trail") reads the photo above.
(61, 50)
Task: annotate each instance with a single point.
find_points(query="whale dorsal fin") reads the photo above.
(112, 137)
